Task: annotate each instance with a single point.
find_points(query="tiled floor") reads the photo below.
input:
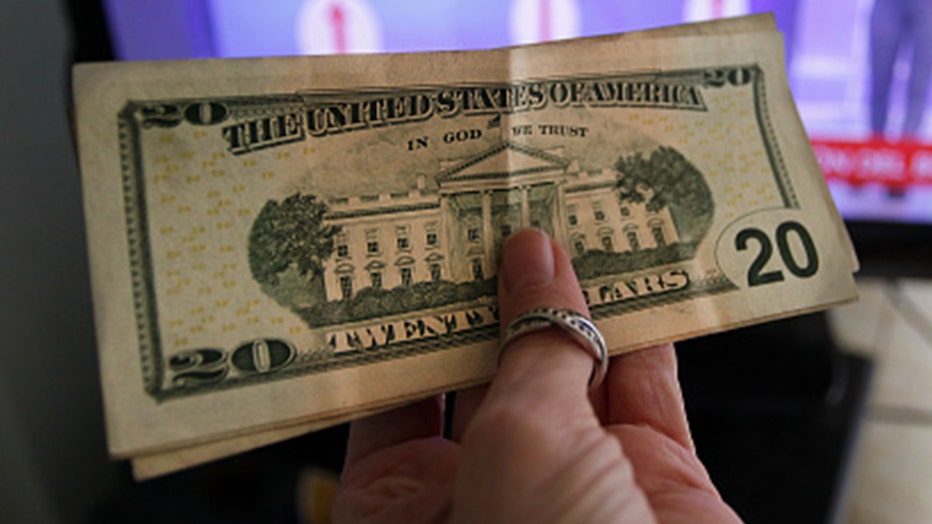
(891, 477)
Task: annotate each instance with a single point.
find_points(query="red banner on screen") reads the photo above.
(894, 164)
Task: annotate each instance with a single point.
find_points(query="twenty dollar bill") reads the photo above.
(281, 241)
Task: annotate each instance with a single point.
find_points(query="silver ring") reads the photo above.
(577, 326)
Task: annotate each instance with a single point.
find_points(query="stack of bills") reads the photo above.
(283, 244)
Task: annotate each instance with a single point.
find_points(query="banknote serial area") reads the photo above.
(826, 417)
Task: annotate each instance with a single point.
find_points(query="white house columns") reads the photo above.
(524, 195)
(488, 245)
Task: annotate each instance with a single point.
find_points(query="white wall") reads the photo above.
(53, 464)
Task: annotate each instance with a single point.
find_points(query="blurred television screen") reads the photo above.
(859, 69)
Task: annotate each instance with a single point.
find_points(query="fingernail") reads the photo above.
(527, 260)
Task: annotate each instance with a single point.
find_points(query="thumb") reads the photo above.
(546, 366)
(535, 430)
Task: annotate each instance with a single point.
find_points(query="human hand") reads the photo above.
(535, 445)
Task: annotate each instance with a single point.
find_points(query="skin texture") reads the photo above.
(535, 445)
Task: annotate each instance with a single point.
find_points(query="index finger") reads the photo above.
(642, 388)
(422, 419)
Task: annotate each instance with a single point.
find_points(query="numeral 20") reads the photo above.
(756, 274)
(197, 367)
(170, 115)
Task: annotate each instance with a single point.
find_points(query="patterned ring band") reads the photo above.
(577, 326)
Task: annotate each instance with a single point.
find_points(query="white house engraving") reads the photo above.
(450, 226)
